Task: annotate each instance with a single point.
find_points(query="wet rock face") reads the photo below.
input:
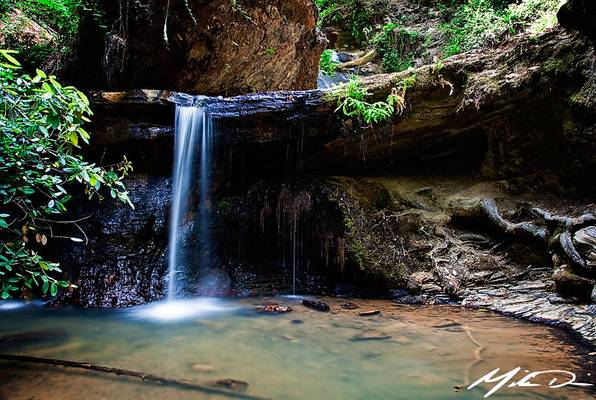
(307, 229)
(211, 47)
(124, 263)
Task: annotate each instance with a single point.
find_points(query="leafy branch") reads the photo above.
(41, 135)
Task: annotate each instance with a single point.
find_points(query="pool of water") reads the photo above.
(405, 352)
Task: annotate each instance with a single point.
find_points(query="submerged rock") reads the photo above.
(349, 305)
(371, 336)
(202, 368)
(447, 325)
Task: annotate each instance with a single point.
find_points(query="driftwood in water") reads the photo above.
(135, 374)
(477, 355)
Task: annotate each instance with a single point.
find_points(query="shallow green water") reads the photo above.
(425, 352)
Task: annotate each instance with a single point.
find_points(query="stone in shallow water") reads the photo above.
(274, 308)
(447, 324)
(349, 306)
(370, 335)
(316, 304)
(402, 340)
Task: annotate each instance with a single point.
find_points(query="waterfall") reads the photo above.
(192, 125)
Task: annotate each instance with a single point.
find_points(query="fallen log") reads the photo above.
(368, 57)
(135, 374)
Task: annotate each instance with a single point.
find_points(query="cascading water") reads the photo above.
(192, 125)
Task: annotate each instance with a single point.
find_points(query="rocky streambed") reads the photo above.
(357, 348)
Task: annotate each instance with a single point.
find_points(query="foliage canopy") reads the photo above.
(41, 135)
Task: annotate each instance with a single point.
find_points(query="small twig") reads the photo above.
(74, 221)
(83, 232)
(135, 374)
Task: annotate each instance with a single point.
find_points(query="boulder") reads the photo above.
(579, 15)
(316, 304)
(569, 283)
(201, 46)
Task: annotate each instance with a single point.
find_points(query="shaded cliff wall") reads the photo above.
(212, 47)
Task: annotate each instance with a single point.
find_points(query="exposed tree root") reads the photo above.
(569, 250)
(559, 230)
(555, 233)
(522, 229)
(135, 374)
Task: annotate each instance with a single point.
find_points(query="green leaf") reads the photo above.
(53, 289)
(84, 98)
(11, 59)
(74, 138)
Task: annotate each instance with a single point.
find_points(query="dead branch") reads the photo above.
(135, 374)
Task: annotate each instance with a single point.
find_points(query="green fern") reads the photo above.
(351, 101)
